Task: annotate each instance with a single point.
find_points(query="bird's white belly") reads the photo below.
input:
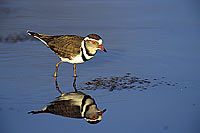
(77, 59)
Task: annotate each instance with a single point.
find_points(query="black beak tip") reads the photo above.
(105, 50)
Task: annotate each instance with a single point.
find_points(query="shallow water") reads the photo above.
(149, 39)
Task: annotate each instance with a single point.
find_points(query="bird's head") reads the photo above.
(94, 42)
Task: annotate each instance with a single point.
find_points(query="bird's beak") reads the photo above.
(102, 48)
(101, 112)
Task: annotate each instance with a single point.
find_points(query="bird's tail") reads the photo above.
(44, 110)
(33, 33)
(36, 112)
(44, 38)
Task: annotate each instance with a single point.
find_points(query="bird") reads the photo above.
(71, 48)
(74, 105)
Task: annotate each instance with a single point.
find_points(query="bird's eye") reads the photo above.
(94, 117)
(94, 42)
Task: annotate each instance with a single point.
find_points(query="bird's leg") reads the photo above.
(74, 84)
(74, 68)
(57, 87)
(57, 65)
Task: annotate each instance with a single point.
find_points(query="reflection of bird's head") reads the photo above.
(93, 115)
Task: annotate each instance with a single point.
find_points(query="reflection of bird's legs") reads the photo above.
(74, 68)
(74, 84)
(57, 87)
(57, 65)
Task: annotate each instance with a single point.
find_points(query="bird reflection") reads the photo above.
(74, 105)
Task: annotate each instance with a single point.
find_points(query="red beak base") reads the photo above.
(102, 48)
(101, 112)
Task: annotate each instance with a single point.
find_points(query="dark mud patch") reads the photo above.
(126, 81)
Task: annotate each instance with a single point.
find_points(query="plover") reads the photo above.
(71, 48)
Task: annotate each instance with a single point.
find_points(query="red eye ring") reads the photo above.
(94, 117)
(94, 42)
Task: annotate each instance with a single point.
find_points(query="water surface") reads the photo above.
(149, 39)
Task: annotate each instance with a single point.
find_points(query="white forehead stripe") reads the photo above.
(99, 41)
(99, 118)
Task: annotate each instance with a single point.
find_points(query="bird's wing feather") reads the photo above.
(64, 108)
(64, 46)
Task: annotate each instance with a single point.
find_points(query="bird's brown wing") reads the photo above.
(65, 46)
(64, 108)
